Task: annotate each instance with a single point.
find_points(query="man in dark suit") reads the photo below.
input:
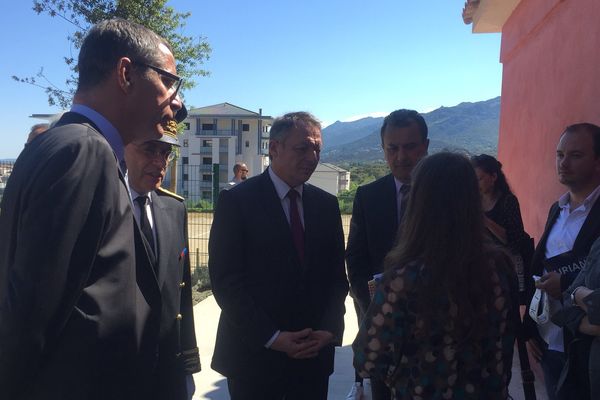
(80, 305)
(162, 217)
(377, 212)
(276, 262)
(572, 227)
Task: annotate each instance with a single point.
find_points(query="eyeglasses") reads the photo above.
(173, 83)
(153, 152)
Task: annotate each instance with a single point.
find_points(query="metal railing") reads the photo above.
(199, 224)
(215, 132)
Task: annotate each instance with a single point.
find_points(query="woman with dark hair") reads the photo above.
(501, 207)
(443, 318)
(502, 213)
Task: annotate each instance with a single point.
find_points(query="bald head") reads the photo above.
(240, 171)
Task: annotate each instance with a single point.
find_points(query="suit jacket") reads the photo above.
(261, 285)
(589, 232)
(178, 353)
(373, 230)
(79, 302)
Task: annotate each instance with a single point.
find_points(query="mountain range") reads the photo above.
(472, 127)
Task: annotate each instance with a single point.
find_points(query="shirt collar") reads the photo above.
(281, 187)
(398, 184)
(110, 133)
(135, 195)
(563, 201)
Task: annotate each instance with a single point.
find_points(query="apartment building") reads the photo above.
(214, 139)
(330, 178)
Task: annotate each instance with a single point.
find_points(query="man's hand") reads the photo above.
(302, 344)
(533, 347)
(587, 328)
(318, 340)
(294, 343)
(550, 283)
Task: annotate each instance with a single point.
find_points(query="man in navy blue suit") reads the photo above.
(276, 262)
(162, 217)
(377, 213)
(80, 306)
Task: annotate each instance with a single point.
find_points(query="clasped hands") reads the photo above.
(302, 344)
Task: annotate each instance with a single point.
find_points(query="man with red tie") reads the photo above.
(276, 262)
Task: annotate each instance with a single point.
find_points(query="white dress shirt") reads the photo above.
(561, 240)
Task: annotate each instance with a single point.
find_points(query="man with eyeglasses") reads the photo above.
(80, 303)
(240, 174)
(162, 218)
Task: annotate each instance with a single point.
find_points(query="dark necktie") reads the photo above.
(296, 224)
(145, 222)
(404, 190)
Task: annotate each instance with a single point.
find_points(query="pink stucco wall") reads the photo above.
(551, 78)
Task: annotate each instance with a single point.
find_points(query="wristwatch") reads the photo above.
(573, 295)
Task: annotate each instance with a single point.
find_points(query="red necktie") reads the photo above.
(296, 224)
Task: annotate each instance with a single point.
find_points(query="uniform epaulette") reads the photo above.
(171, 194)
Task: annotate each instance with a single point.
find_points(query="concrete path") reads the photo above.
(210, 385)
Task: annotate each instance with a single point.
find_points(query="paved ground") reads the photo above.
(211, 385)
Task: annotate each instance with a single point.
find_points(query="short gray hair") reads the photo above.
(295, 120)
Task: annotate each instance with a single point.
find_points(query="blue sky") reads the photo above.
(337, 59)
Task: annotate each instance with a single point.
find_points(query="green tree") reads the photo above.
(361, 174)
(189, 52)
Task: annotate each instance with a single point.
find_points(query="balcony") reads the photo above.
(218, 132)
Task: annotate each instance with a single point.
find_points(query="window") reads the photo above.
(185, 160)
(206, 160)
(207, 143)
(208, 127)
(185, 143)
(207, 177)
(186, 177)
(206, 195)
(247, 143)
(186, 126)
(245, 127)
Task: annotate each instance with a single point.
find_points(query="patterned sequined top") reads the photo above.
(435, 365)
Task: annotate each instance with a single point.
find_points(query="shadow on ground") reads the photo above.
(219, 392)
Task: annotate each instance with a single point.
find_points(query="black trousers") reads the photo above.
(288, 388)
